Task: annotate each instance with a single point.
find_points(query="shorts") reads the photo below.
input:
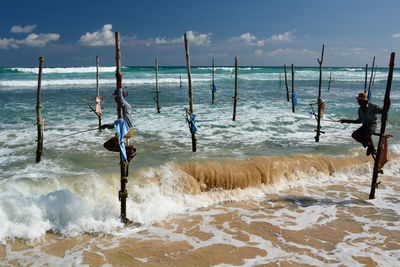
(363, 134)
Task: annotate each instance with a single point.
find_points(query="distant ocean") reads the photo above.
(258, 190)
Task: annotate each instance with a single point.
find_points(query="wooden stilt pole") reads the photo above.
(280, 80)
(385, 110)
(157, 88)
(39, 118)
(180, 81)
(123, 193)
(97, 89)
(373, 80)
(293, 104)
(213, 84)
(286, 85)
(235, 96)
(319, 100)
(194, 141)
(330, 80)
(370, 79)
(366, 78)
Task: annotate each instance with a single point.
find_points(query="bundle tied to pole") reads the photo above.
(191, 120)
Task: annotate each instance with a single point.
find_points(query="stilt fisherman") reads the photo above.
(123, 127)
(367, 117)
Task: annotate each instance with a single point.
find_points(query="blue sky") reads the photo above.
(270, 33)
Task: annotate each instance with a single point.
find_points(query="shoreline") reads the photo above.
(239, 233)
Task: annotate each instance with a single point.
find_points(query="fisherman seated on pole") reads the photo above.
(367, 116)
(114, 143)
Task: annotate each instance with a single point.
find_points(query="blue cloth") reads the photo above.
(192, 123)
(214, 88)
(369, 95)
(294, 98)
(122, 129)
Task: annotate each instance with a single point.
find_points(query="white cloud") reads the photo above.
(39, 40)
(258, 52)
(193, 38)
(291, 52)
(102, 37)
(8, 43)
(284, 37)
(198, 39)
(396, 35)
(20, 29)
(247, 39)
(34, 40)
(164, 40)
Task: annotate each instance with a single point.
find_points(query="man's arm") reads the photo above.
(348, 121)
(108, 126)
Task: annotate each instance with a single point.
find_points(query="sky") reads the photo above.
(258, 32)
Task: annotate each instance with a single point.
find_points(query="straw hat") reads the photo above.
(362, 96)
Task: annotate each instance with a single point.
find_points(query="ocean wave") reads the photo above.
(353, 69)
(88, 203)
(65, 70)
(92, 82)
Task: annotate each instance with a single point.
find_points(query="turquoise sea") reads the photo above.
(73, 190)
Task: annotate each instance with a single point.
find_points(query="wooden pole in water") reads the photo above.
(280, 80)
(385, 110)
(157, 88)
(194, 144)
(39, 119)
(293, 104)
(97, 89)
(330, 80)
(235, 96)
(370, 79)
(180, 81)
(123, 193)
(213, 84)
(319, 100)
(373, 79)
(366, 78)
(286, 85)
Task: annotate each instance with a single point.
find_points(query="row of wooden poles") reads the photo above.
(124, 165)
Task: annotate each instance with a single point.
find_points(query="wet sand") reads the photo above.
(334, 225)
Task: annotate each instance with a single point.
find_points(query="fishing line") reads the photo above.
(75, 133)
(7, 161)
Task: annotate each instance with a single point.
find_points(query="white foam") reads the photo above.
(90, 82)
(66, 70)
